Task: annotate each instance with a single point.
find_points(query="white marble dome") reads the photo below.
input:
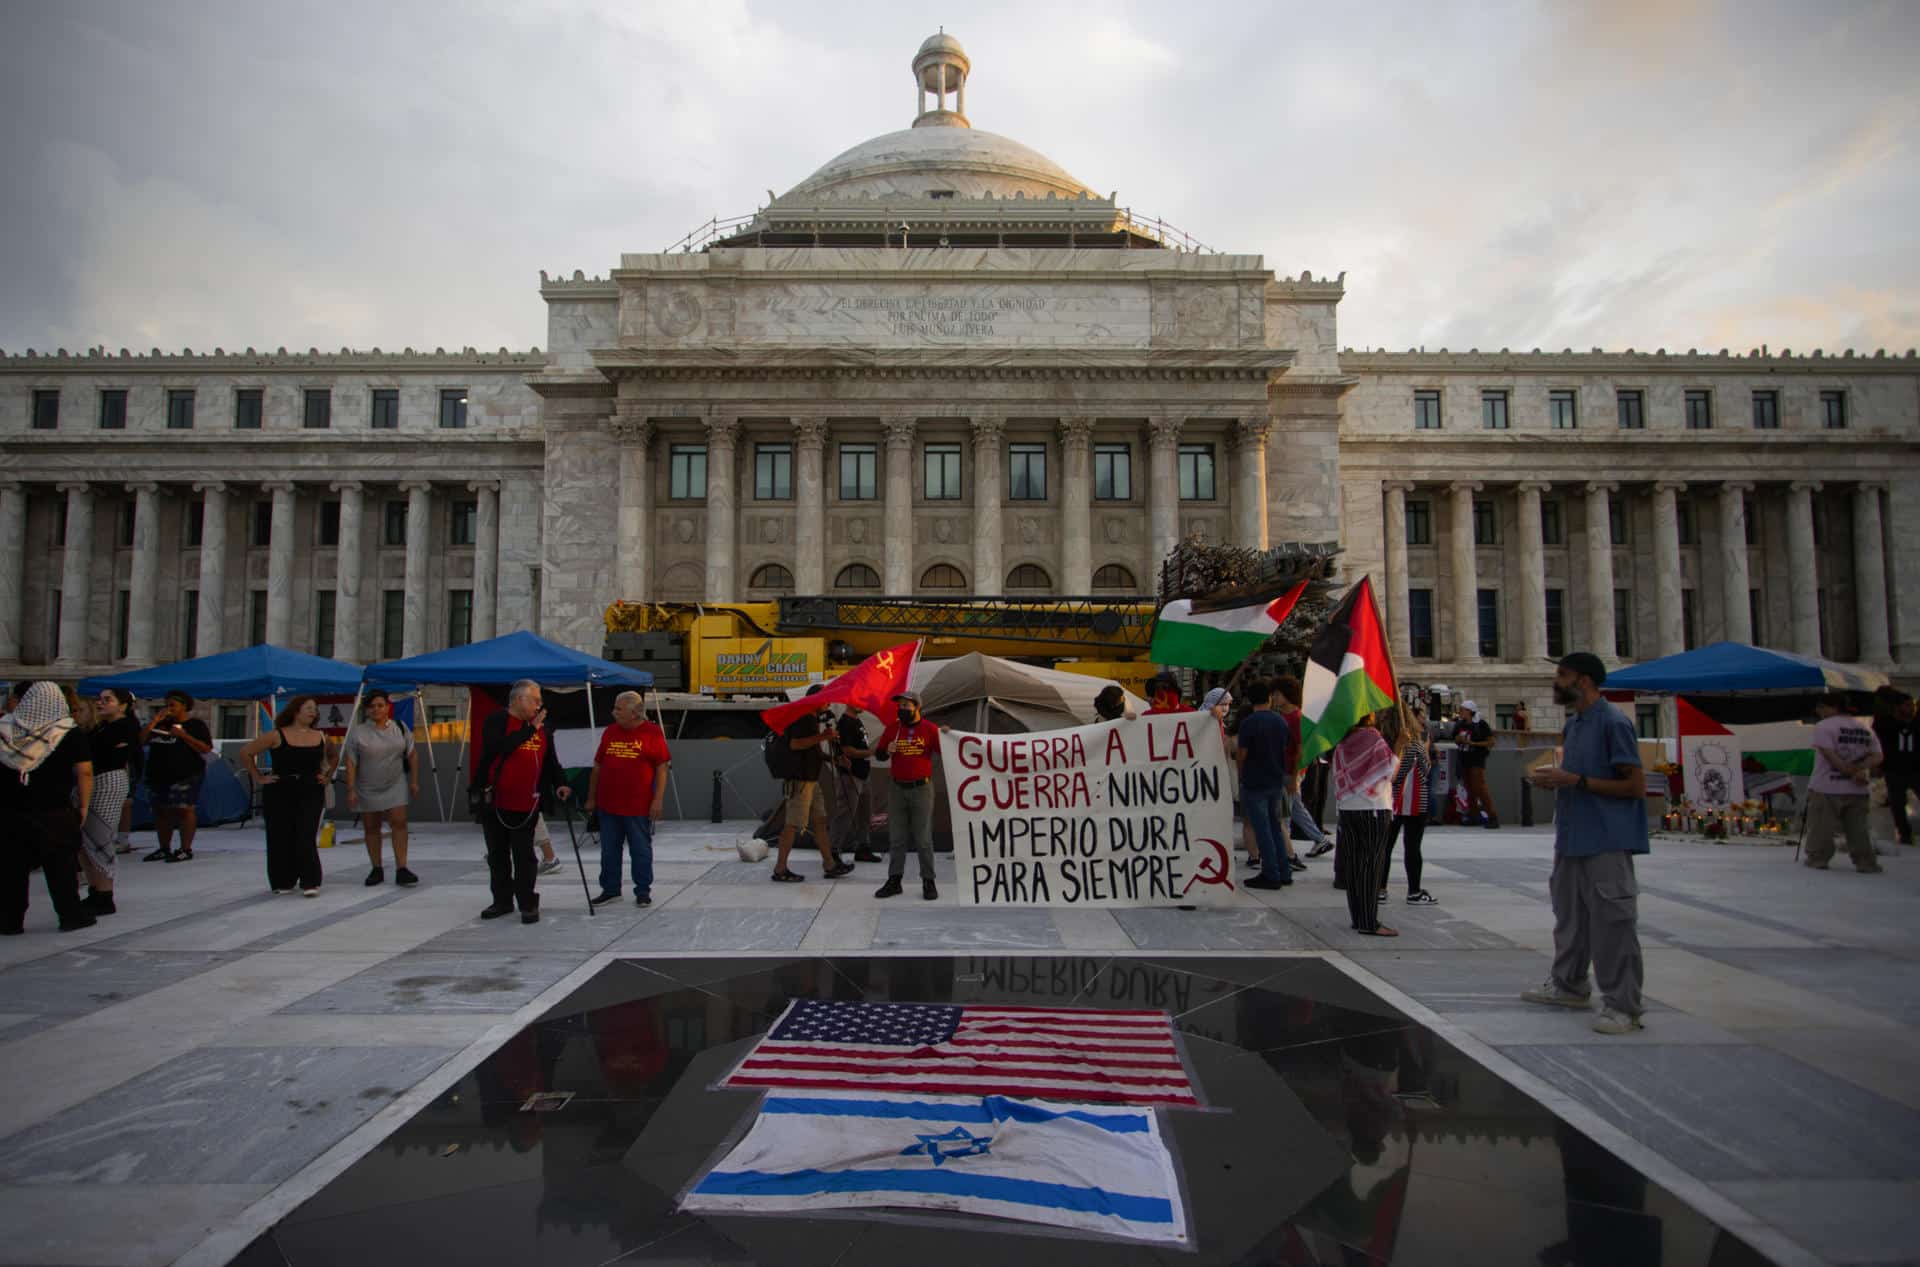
(915, 162)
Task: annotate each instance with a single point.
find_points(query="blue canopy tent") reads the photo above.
(1734, 668)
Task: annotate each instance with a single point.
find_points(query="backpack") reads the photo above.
(782, 761)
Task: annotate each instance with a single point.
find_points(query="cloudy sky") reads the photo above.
(1628, 173)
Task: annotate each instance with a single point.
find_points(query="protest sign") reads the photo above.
(1126, 813)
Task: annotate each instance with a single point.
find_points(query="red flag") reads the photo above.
(868, 685)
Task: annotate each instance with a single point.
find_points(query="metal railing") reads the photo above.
(1169, 236)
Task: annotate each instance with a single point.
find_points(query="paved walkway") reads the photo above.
(191, 1069)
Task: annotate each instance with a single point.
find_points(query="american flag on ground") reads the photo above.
(1073, 1055)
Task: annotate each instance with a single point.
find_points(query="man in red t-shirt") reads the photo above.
(517, 761)
(628, 787)
(912, 742)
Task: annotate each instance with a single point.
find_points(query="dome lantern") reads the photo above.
(940, 67)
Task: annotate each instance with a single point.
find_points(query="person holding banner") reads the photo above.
(1363, 768)
(912, 742)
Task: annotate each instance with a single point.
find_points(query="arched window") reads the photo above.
(857, 576)
(771, 576)
(1113, 577)
(682, 582)
(1029, 577)
(943, 576)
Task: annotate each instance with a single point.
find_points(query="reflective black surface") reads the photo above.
(1338, 1132)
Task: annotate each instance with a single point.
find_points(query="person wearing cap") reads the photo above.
(1845, 755)
(911, 742)
(1474, 738)
(807, 737)
(1599, 824)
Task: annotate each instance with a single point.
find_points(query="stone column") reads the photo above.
(1250, 484)
(1600, 631)
(413, 627)
(144, 586)
(346, 573)
(210, 624)
(722, 435)
(1870, 576)
(76, 574)
(1163, 490)
(897, 577)
(13, 562)
(1533, 575)
(280, 565)
(486, 558)
(810, 506)
(989, 567)
(633, 540)
(1076, 506)
(1670, 635)
(1803, 569)
(1399, 634)
(1466, 579)
(1734, 582)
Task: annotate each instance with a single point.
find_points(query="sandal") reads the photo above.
(1382, 931)
(180, 855)
(788, 877)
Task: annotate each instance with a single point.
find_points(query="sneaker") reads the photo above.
(1383, 896)
(1297, 862)
(603, 897)
(530, 917)
(121, 846)
(866, 855)
(281, 892)
(1550, 993)
(99, 903)
(496, 911)
(550, 866)
(1612, 1022)
(78, 922)
(1324, 847)
(162, 854)
(929, 890)
(376, 876)
(1420, 897)
(834, 873)
(403, 876)
(310, 892)
(644, 899)
(890, 889)
(1261, 882)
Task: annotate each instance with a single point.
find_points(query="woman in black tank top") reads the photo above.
(293, 796)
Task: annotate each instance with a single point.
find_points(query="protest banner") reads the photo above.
(1126, 813)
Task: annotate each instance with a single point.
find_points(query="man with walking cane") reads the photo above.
(517, 765)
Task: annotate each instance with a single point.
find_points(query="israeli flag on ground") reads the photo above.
(1097, 1169)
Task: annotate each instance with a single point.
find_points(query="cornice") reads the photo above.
(98, 358)
(1600, 360)
(761, 363)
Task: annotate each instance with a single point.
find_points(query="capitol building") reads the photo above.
(943, 365)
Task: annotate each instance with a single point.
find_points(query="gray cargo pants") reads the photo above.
(1828, 812)
(909, 821)
(1596, 917)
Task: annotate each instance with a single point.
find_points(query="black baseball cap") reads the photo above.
(1587, 663)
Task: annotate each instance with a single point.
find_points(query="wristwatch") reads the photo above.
(1583, 783)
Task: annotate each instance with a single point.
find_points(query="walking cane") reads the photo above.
(566, 812)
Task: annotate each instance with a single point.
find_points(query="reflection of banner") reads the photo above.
(1126, 813)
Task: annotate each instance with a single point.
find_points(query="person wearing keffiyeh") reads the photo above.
(46, 774)
(1363, 768)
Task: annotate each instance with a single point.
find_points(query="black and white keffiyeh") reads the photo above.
(30, 733)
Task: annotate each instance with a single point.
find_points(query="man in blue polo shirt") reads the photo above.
(1599, 823)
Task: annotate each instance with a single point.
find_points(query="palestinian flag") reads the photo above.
(1217, 639)
(1348, 673)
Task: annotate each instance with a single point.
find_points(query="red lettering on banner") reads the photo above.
(1182, 741)
(1116, 747)
(967, 752)
(967, 796)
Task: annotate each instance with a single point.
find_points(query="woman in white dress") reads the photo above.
(382, 777)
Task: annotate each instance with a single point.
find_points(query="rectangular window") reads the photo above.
(453, 409)
(189, 622)
(463, 523)
(941, 466)
(1486, 522)
(113, 409)
(393, 623)
(231, 720)
(1753, 522)
(1112, 473)
(1196, 473)
(260, 524)
(1556, 623)
(393, 523)
(1616, 519)
(1820, 609)
(1699, 406)
(1503, 717)
(179, 410)
(1646, 720)
(1493, 411)
(323, 608)
(859, 472)
(1426, 411)
(1489, 604)
(1420, 623)
(1766, 411)
(122, 614)
(1563, 414)
(194, 522)
(1027, 472)
(687, 472)
(123, 525)
(1419, 521)
(1833, 410)
(1552, 528)
(1623, 624)
(386, 409)
(329, 522)
(317, 414)
(249, 408)
(1689, 629)
(1689, 521)
(46, 410)
(1632, 406)
(1757, 617)
(459, 617)
(256, 617)
(772, 472)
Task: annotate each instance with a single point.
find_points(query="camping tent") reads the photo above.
(251, 673)
(1734, 668)
(503, 660)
